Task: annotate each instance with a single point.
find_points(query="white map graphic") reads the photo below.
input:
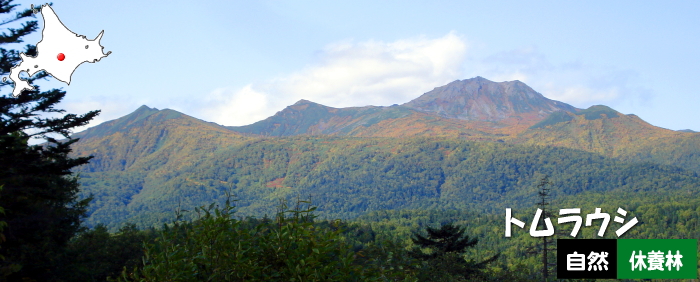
(59, 53)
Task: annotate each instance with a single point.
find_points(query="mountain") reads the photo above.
(120, 144)
(306, 117)
(345, 176)
(484, 150)
(476, 109)
(142, 150)
(482, 110)
(484, 100)
(600, 129)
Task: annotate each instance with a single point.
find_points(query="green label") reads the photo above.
(657, 258)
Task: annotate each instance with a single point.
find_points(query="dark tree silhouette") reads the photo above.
(39, 193)
(445, 259)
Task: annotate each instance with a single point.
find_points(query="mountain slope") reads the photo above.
(481, 110)
(484, 100)
(348, 177)
(355, 160)
(119, 144)
(476, 109)
(130, 152)
(602, 130)
(309, 118)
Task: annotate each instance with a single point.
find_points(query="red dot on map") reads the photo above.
(61, 57)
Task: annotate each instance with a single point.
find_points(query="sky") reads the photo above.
(238, 62)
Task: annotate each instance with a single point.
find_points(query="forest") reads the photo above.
(160, 196)
(294, 245)
(348, 177)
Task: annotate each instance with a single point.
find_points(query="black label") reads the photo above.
(586, 258)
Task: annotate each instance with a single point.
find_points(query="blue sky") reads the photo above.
(237, 62)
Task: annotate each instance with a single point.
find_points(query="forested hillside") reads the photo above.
(347, 177)
(415, 191)
(390, 172)
(481, 110)
(602, 130)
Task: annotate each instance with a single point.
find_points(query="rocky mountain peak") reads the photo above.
(481, 99)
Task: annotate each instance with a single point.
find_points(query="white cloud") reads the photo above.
(348, 74)
(244, 106)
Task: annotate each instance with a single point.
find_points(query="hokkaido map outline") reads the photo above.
(59, 53)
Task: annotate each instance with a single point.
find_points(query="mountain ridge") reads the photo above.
(481, 99)
(538, 121)
(485, 109)
(361, 159)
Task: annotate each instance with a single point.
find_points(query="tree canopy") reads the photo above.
(446, 247)
(39, 196)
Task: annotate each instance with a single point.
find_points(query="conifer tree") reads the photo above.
(546, 247)
(445, 259)
(39, 195)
